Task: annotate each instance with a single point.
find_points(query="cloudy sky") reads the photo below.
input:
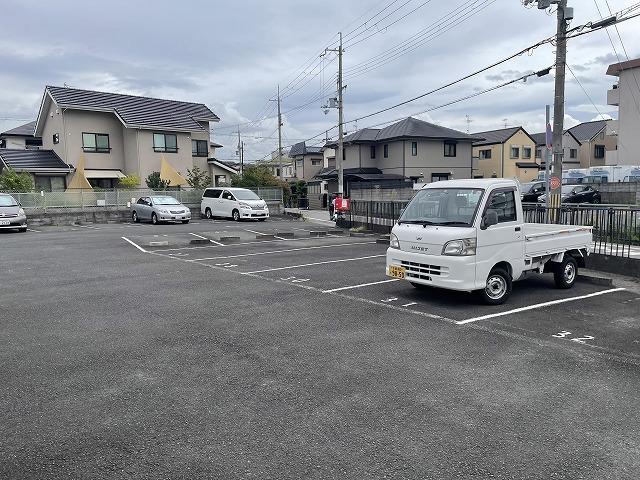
(232, 54)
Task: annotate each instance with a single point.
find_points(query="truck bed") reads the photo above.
(547, 239)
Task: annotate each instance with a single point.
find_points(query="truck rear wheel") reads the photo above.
(566, 272)
(498, 287)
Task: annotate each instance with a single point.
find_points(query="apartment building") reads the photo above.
(625, 94)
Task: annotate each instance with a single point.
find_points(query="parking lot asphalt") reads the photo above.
(130, 352)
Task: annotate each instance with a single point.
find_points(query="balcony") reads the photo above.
(613, 96)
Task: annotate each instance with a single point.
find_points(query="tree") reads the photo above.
(130, 181)
(255, 176)
(198, 178)
(154, 182)
(12, 181)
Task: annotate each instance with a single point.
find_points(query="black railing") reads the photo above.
(616, 229)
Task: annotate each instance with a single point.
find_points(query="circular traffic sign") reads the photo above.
(554, 183)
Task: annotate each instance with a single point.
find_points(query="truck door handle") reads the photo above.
(518, 229)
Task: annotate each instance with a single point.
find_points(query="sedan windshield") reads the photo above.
(8, 201)
(443, 206)
(164, 201)
(245, 195)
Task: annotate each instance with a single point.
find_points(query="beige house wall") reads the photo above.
(501, 162)
(150, 160)
(587, 155)
(488, 167)
(54, 124)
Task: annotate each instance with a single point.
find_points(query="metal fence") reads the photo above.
(119, 198)
(616, 229)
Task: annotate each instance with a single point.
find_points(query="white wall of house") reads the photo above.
(16, 143)
(628, 118)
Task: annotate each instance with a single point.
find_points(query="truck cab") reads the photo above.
(470, 235)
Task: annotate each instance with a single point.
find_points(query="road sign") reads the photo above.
(554, 183)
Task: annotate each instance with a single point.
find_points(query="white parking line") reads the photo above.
(261, 233)
(315, 263)
(359, 286)
(199, 236)
(32, 230)
(217, 243)
(134, 244)
(538, 305)
(280, 251)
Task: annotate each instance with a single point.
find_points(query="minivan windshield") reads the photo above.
(164, 201)
(443, 206)
(245, 195)
(8, 201)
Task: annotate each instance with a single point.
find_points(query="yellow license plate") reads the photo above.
(396, 271)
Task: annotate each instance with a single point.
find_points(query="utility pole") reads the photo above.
(548, 142)
(340, 152)
(555, 182)
(240, 152)
(279, 135)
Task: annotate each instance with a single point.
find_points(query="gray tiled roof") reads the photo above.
(26, 130)
(140, 112)
(414, 128)
(539, 138)
(32, 160)
(495, 136)
(302, 149)
(587, 130)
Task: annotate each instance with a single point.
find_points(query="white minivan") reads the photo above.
(237, 203)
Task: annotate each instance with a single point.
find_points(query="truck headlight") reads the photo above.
(462, 247)
(394, 242)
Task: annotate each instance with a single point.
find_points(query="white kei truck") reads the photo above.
(470, 235)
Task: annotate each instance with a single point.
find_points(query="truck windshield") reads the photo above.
(443, 206)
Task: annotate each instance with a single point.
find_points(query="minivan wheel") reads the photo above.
(236, 215)
(498, 287)
(208, 214)
(566, 272)
(134, 217)
(154, 219)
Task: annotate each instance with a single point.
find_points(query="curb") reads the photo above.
(595, 280)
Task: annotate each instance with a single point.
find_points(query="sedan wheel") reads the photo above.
(134, 217)
(154, 219)
(236, 215)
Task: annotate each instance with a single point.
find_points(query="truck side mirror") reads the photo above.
(490, 218)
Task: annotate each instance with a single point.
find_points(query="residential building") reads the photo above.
(593, 142)
(21, 138)
(626, 96)
(49, 171)
(308, 161)
(112, 135)
(221, 172)
(506, 153)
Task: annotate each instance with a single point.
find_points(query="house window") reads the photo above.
(449, 149)
(515, 152)
(199, 148)
(439, 177)
(599, 151)
(526, 152)
(372, 151)
(165, 142)
(538, 153)
(299, 162)
(316, 162)
(95, 142)
(573, 153)
(50, 184)
(485, 154)
(56, 138)
(385, 151)
(414, 149)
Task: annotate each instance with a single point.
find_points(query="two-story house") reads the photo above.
(307, 161)
(505, 153)
(593, 143)
(570, 147)
(21, 138)
(109, 135)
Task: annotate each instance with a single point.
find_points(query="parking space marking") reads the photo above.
(389, 300)
(134, 244)
(199, 236)
(359, 286)
(253, 242)
(262, 233)
(316, 263)
(279, 251)
(538, 305)
(32, 230)
(410, 304)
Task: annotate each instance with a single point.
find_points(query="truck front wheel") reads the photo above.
(566, 272)
(498, 287)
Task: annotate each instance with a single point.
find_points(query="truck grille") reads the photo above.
(422, 271)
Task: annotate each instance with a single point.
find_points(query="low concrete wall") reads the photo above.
(624, 193)
(620, 265)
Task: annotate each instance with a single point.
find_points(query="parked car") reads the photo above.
(530, 192)
(12, 216)
(470, 235)
(236, 203)
(577, 194)
(159, 209)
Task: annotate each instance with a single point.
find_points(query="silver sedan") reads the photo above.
(12, 216)
(159, 209)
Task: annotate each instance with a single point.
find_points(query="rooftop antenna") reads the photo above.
(505, 122)
(468, 122)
